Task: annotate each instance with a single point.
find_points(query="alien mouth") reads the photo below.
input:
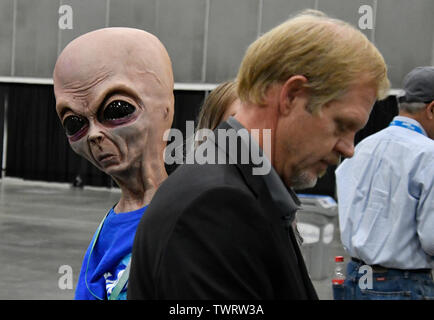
(105, 157)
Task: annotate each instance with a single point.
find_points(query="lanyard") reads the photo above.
(122, 280)
(406, 125)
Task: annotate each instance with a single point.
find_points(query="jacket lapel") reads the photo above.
(281, 212)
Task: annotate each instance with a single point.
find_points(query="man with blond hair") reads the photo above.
(222, 231)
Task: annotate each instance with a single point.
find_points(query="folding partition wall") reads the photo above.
(206, 40)
(37, 148)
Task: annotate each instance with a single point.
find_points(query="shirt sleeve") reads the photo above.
(219, 249)
(425, 209)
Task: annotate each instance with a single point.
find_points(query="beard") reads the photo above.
(304, 180)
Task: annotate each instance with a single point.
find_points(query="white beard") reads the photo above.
(303, 180)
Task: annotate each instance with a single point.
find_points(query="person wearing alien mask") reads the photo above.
(114, 98)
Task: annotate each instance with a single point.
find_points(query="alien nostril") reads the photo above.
(95, 139)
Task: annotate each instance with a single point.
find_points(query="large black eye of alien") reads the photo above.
(117, 110)
(73, 124)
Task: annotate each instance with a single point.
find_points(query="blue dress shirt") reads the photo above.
(386, 198)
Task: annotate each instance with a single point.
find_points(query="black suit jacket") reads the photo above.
(213, 232)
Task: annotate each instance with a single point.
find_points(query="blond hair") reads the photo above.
(330, 53)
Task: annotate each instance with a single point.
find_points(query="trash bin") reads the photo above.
(316, 222)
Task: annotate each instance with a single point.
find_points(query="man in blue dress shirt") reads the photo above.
(386, 201)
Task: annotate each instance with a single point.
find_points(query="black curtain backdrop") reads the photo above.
(37, 147)
(187, 106)
(382, 114)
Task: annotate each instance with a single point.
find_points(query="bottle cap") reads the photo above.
(339, 259)
(338, 281)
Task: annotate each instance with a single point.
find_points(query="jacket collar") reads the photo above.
(267, 186)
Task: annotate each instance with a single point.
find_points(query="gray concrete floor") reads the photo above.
(44, 226)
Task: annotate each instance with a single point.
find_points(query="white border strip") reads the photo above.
(178, 85)
(26, 80)
(61, 185)
(195, 86)
(396, 92)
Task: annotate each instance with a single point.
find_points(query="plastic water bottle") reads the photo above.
(338, 278)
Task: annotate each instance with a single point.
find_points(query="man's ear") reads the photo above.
(293, 93)
(429, 110)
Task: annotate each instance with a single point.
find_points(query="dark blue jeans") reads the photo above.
(391, 284)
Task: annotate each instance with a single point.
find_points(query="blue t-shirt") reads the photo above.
(109, 257)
